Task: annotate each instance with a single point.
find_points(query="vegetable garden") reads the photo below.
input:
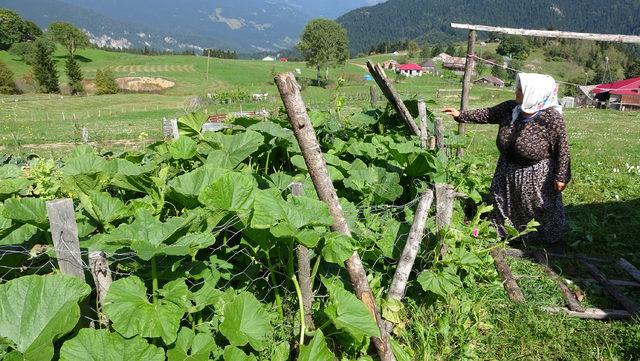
(203, 234)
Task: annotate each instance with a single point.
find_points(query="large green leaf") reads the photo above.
(304, 211)
(246, 321)
(190, 346)
(232, 353)
(9, 171)
(231, 192)
(183, 148)
(191, 124)
(337, 248)
(101, 345)
(83, 160)
(234, 148)
(11, 186)
(132, 314)
(17, 234)
(37, 310)
(187, 187)
(103, 208)
(442, 283)
(375, 181)
(316, 350)
(348, 313)
(267, 209)
(150, 237)
(27, 210)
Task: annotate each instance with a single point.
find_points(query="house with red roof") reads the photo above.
(621, 94)
(410, 69)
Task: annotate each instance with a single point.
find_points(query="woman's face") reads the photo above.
(519, 95)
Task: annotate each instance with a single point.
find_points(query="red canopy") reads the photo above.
(627, 86)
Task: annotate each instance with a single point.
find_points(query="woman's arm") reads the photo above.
(561, 150)
(492, 115)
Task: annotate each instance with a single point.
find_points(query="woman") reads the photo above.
(534, 164)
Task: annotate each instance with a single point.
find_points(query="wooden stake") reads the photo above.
(572, 303)
(64, 233)
(629, 268)
(170, 128)
(102, 278)
(439, 134)
(304, 271)
(373, 96)
(317, 166)
(466, 83)
(510, 284)
(85, 135)
(392, 96)
(625, 301)
(445, 197)
(416, 234)
(424, 134)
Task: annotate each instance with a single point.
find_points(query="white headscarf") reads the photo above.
(540, 92)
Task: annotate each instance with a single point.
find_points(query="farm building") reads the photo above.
(442, 58)
(491, 80)
(283, 60)
(268, 58)
(410, 69)
(455, 63)
(390, 65)
(621, 95)
(428, 66)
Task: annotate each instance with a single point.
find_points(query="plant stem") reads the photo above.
(266, 165)
(299, 294)
(154, 280)
(272, 277)
(314, 271)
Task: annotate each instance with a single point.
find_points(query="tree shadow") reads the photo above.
(79, 58)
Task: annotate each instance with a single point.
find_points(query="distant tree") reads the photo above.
(31, 31)
(44, 69)
(324, 44)
(24, 51)
(68, 36)
(437, 50)
(515, 47)
(516, 64)
(106, 82)
(74, 74)
(500, 72)
(425, 51)
(451, 50)
(413, 49)
(7, 82)
(11, 28)
(633, 70)
(481, 67)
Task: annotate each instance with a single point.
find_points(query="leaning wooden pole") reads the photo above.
(466, 82)
(304, 272)
(509, 282)
(416, 234)
(317, 166)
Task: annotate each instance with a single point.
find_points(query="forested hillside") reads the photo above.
(430, 19)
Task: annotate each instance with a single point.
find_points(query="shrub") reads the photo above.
(106, 82)
(7, 82)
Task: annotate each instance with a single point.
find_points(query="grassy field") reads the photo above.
(602, 201)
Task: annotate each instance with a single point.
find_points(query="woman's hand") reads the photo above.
(559, 186)
(451, 111)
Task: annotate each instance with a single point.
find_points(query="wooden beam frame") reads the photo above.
(617, 38)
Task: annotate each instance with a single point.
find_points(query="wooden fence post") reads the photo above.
(373, 96)
(424, 134)
(416, 234)
(317, 166)
(64, 232)
(304, 272)
(85, 135)
(101, 273)
(466, 83)
(439, 139)
(170, 128)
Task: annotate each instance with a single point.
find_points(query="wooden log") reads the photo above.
(629, 268)
(424, 133)
(317, 167)
(64, 233)
(412, 246)
(99, 266)
(509, 283)
(373, 96)
(572, 303)
(439, 125)
(551, 34)
(170, 128)
(591, 313)
(392, 96)
(519, 253)
(625, 301)
(466, 82)
(304, 272)
(621, 283)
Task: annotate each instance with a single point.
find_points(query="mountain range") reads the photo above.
(429, 20)
(245, 26)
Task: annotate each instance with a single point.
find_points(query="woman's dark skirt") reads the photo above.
(521, 193)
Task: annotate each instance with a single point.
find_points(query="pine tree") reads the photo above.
(7, 83)
(106, 82)
(44, 69)
(75, 76)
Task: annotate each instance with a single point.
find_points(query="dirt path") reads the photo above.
(66, 145)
